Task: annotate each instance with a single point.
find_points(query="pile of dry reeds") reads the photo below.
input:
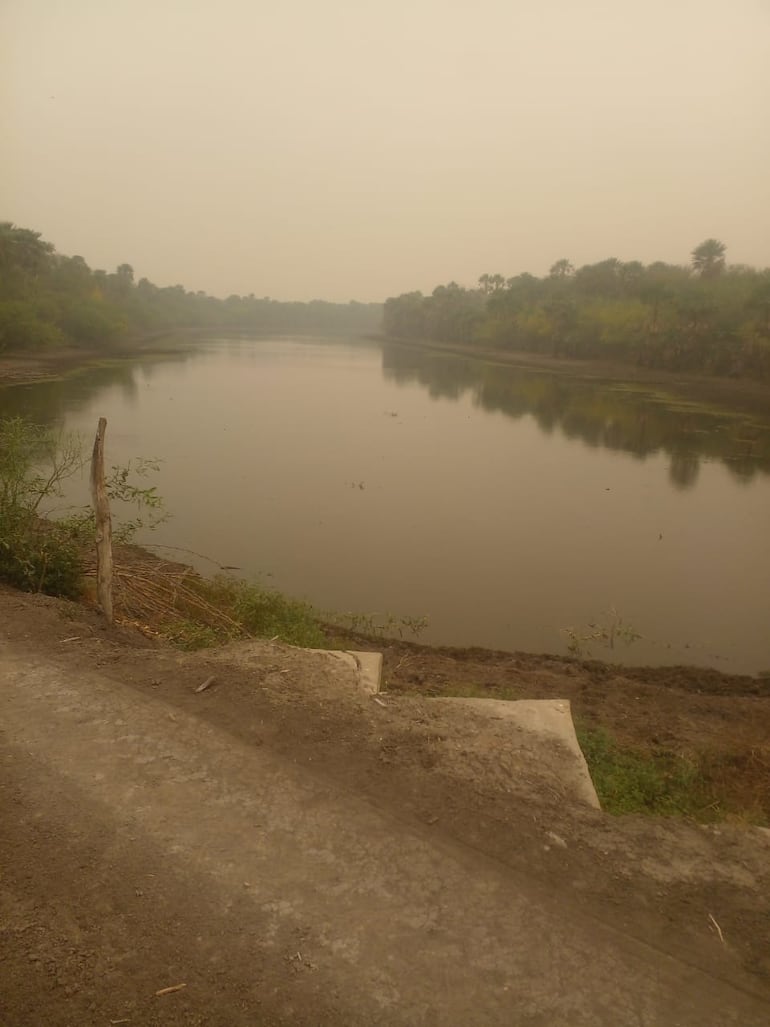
(155, 593)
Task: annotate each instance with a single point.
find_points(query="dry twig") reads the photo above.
(719, 929)
(169, 991)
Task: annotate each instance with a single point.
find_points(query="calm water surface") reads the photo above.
(505, 505)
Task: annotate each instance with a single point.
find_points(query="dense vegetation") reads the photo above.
(49, 300)
(710, 316)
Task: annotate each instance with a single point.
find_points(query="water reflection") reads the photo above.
(47, 402)
(599, 414)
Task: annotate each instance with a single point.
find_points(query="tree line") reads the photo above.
(708, 317)
(49, 300)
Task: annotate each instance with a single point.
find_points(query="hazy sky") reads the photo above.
(358, 149)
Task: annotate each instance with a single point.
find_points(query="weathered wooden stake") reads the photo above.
(103, 524)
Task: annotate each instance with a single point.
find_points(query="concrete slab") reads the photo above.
(367, 666)
(369, 670)
(543, 718)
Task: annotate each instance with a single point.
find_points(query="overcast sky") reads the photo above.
(362, 148)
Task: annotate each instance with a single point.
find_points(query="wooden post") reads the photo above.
(103, 524)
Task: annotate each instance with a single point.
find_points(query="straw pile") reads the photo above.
(154, 593)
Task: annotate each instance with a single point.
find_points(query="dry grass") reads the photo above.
(154, 593)
(169, 599)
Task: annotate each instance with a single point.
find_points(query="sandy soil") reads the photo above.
(654, 883)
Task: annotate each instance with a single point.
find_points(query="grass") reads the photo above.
(628, 780)
(707, 786)
(263, 613)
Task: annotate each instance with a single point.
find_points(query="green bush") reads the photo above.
(36, 555)
(21, 328)
(40, 558)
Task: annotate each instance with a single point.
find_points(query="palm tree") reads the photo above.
(708, 259)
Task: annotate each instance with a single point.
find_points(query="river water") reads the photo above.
(505, 505)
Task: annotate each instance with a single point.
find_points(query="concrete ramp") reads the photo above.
(542, 721)
(532, 738)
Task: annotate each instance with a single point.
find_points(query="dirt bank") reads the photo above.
(137, 926)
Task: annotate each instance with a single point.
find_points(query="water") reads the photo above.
(505, 505)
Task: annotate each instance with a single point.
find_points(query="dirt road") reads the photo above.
(294, 853)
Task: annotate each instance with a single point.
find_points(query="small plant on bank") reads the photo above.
(378, 625)
(606, 632)
(146, 504)
(190, 635)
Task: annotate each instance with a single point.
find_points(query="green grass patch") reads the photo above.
(190, 635)
(630, 781)
(243, 610)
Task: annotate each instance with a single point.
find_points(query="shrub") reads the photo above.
(36, 555)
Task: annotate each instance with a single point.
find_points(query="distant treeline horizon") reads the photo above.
(707, 317)
(49, 300)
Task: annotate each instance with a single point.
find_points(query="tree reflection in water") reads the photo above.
(599, 413)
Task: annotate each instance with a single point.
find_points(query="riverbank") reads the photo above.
(681, 741)
(737, 393)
